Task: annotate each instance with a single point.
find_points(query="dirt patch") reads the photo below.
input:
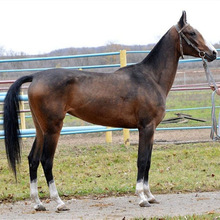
(161, 137)
(125, 207)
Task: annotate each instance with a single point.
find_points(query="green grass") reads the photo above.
(191, 99)
(111, 170)
(209, 216)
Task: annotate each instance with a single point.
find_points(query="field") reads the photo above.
(86, 171)
(111, 170)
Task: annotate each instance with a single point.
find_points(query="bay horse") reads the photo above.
(131, 97)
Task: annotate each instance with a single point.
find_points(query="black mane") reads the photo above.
(153, 58)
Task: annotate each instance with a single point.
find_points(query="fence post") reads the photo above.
(123, 62)
(22, 114)
(108, 136)
(82, 123)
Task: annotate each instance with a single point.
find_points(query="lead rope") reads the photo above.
(214, 135)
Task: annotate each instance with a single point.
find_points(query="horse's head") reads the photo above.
(192, 42)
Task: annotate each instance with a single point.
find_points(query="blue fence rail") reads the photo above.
(80, 56)
(93, 128)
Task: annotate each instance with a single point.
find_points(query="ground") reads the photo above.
(125, 207)
(119, 207)
(161, 137)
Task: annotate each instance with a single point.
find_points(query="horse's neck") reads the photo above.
(163, 60)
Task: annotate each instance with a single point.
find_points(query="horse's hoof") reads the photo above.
(153, 201)
(62, 208)
(144, 203)
(39, 207)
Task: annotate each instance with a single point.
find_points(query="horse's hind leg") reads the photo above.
(50, 143)
(48, 109)
(34, 160)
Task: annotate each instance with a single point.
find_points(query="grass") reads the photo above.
(208, 216)
(191, 99)
(111, 170)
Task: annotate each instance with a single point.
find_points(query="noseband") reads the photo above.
(182, 35)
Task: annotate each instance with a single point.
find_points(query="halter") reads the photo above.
(215, 128)
(182, 35)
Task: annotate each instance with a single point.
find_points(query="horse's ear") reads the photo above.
(182, 22)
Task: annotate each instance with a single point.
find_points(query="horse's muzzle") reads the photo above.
(211, 57)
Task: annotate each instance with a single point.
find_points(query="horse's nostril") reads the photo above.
(214, 53)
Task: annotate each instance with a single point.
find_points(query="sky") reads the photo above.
(40, 26)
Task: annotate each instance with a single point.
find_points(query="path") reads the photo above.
(118, 207)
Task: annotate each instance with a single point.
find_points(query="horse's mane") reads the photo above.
(152, 58)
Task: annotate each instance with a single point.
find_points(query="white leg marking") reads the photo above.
(140, 191)
(54, 196)
(34, 196)
(148, 193)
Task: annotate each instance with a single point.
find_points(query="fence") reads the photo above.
(90, 129)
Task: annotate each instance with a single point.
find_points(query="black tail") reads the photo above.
(11, 126)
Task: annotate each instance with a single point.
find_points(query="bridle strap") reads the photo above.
(180, 31)
(215, 129)
(182, 35)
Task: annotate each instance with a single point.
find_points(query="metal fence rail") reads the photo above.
(94, 128)
(80, 56)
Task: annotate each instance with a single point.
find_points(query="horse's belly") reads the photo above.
(107, 117)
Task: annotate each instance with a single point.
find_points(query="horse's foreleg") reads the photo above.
(143, 163)
(34, 159)
(147, 192)
(50, 143)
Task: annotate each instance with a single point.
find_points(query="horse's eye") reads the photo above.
(193, 34)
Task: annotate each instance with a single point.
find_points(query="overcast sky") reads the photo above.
(38, 26)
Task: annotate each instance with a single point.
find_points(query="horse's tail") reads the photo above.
(11, 125)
